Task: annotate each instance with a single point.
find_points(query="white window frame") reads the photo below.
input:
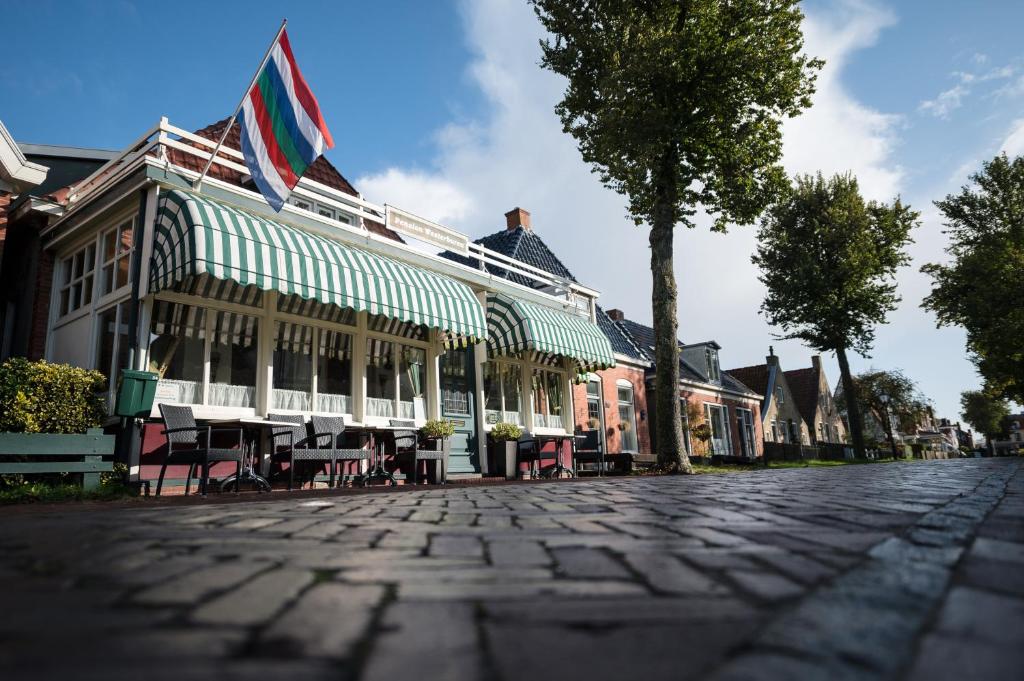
(745, 420)
(544, 424)
(120, 308)
(623, 384)
(708, 406)
(515, 368)
(117, 230)
(66, 269)
(315, 369)
(397, 342)
(711, 359)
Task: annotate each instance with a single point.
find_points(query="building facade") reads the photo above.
(813, 397)
(781, 419)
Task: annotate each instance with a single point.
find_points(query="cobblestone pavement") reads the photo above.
(884, 571)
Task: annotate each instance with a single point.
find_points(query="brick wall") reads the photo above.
(609, 396)
(5, 201)
(41, 309)
(698, 447)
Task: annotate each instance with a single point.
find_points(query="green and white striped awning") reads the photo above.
(515, 326)
(196, 236)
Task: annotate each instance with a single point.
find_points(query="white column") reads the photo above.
(265, 378)
(434, 375)
(359, 369)
(569, 418)
(479, 359)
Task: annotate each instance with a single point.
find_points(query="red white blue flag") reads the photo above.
(282, 129)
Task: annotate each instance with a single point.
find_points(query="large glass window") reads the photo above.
(76, 289)
(380, 378)
(112, 345)
(412, 383)
(627, 416)
(334, 372)
(177, 350)
(233, 360)
(716, 417)
(293, 367)
(594, 404)
(503, 388)
(745, 424)
(711, 358)
(116, 249)
(547, 399)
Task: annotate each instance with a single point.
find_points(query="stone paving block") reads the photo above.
(452, 545)
(518, 553)
(977, 614)
(470, 591)
(667, 574)
(990, 574)
(587, 563)
(766, 585)
(899, 550)
(997, 549)
(949, 658)
(255, 601)
(796, 567)
(194, 586)
(428, 641)
(772, 666)
(327, 620)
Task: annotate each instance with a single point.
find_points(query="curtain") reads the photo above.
(227, 395)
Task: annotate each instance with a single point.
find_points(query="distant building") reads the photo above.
(781, 418)
(813, 397)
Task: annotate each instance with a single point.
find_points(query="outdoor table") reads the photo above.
(254, 428)
(377, 470)
(557, 468)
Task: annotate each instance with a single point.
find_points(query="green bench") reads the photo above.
(59, 454)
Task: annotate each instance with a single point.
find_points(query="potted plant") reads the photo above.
(439, 432)
(702, 432)
(594, 423)
(505, 438)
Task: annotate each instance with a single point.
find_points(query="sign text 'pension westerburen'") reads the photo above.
(416, 227)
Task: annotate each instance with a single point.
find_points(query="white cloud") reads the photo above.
(429, 195)
(947, 100)
(1013, 145)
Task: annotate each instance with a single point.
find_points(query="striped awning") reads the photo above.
(515, 326)
(196, 235)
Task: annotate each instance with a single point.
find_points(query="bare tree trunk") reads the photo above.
(852, 408)
(671, 453)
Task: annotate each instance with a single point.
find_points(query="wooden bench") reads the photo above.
(59, 454)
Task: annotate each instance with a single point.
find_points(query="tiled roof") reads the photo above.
(621, 343)
(730, 382)
(754, 377)
(321, 170)
(803, 384)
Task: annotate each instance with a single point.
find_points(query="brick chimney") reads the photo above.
(816, 363)
(615, 315)
(517, 217)
(771, 359)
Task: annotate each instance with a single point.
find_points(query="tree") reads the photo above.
(985, 412)
(678, 106)
(982, 288)
(892, 399)
(829, 260)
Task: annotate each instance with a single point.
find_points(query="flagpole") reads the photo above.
(238, 108)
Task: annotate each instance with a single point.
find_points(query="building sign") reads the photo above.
(416, 227)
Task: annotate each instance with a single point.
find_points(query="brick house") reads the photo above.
(781, 420)
(33, 182)
(813, 397)
(715, 397)
(613, 400)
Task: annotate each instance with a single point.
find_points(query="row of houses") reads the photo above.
(115, 260)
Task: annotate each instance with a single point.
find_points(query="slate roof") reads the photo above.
(803, 383)
(321, 170)
(754, 377)
(525, 246)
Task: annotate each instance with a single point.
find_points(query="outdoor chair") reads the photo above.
(588, 449)
(294, 444)
(528, 451)
(329, 435)
(189, 443)
(407, 446)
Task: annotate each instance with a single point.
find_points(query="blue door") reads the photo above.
(458, 385)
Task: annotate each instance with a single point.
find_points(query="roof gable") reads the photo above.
(804, 385)
(754, 377)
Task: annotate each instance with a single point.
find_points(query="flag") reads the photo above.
(282, 129)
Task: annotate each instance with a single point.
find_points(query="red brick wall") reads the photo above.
(5, 201)
(41, 310)
(609, 378)
(697, 447)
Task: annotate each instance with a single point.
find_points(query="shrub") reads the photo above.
(39, 397)
(505, 432)
(438, 428)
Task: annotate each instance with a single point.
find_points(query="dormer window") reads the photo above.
(713, 371)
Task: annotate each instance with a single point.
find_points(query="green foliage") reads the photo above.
(984, 412)
(982, 288)
(505, 432)
(829, 262)
(438, 428)
(890, 392)
(690, 95)
(47, 492)
(39, 397)
(679, 106)
(702, 432)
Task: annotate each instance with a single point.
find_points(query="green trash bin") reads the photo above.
(136, 393)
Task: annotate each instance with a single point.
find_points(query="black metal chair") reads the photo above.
(294, 444)
(588, 449)
(407, 446)
(528, 450)
(329, 434)
(184, 446)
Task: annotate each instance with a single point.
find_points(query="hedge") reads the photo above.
(40, 397)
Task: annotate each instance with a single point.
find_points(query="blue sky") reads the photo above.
(440, 107)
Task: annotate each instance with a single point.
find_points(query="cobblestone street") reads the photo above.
(857, 572)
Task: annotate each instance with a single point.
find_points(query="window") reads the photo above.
(745, 426)
(112, 345)
(233, 360)
(503, 389)
(293, 367)
(116, 249)
(321, 209)
(711, 360)
(396, 377)
(547, 399)
(77, 280)
(775, 431)
(717, 419)
(177, 352)
(685, 422)
(594, 403)
(781, 396)
(334, 372)
(627, 416)
(794, 435)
